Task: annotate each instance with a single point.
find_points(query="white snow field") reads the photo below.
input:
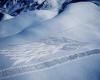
(24, 20)
(65, 47)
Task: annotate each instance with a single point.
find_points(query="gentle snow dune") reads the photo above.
(80, 21)
(51, 45)
(83, 22)
(24, 20)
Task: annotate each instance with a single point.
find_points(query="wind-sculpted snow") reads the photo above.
(46, 52)
(75, 22)
(35, 50)
(37, 45)
(24, 20)
(26, 53)
(15, 71)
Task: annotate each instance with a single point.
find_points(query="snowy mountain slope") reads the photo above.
(15, 7)
(87, 24)
(24, 20)
(74, 31)
(84, 58)
(75, 23)
(25, 53)
(84, 28)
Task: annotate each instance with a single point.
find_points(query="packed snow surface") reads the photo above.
(46, 40)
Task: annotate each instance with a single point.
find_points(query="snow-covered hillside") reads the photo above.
(15, 7)
(52, 47)
(24, 20)
(80, 21)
